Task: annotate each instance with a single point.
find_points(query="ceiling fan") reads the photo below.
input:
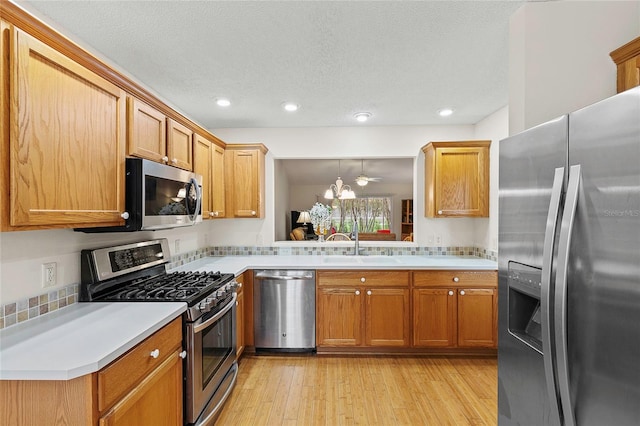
(363, 179)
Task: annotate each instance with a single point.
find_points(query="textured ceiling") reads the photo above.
(399, 60)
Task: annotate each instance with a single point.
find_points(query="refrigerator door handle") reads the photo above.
(560, 301)
(546, 293)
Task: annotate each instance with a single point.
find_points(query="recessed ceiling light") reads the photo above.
(290, 106)
(223, 102)
(445, 112)
(362, 116)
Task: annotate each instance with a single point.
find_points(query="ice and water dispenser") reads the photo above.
(524, 304)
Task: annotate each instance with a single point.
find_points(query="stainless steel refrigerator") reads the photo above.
(569, 269)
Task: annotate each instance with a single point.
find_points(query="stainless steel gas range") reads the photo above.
(137, 272)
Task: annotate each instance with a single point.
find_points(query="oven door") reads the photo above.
(211, 348)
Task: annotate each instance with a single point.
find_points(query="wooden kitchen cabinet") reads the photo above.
(135, 389)
(209, 163)
(455, 309)
(627, 59)
(457, 179)
(244, 179)
(362, 309)
(64, 157)
(154, 136)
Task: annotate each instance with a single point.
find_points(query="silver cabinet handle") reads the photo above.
(239, 285)
(183, 354)
(363, 279)
(253, 212)
(546, 291)
(461, 292)
(560, 300)
(125, 215)
(216, 214)
(155, 353)
(165, 159)
(456, 279)
(450, 292)
(174, 161)
(368, 292)
(439, 211)
(357, 292)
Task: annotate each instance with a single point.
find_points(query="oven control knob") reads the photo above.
(220, 293)
(204, 307)
(211, 301)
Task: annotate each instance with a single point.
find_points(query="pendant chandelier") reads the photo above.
(339, 189)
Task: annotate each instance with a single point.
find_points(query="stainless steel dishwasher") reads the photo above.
(284, 310)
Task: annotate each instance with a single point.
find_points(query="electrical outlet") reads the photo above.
(176, 246)
(438, 240)
(49, 274)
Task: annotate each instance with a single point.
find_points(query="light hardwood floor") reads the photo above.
(373, 390)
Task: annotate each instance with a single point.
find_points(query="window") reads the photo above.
(372, 214)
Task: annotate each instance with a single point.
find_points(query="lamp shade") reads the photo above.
(304, 217)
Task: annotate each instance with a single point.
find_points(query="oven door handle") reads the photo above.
(199, 327)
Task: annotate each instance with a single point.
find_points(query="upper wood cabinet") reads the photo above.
(457, 179)
(244, 170)
(627, 59)
(154, 136)
(209, 162)
(66, 139)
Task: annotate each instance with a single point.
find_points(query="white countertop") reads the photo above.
(79, 339)
(238, 264)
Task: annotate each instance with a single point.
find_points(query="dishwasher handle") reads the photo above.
(284, 275)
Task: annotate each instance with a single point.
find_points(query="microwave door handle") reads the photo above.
(546, 292)
(561, 290)
(194, 216)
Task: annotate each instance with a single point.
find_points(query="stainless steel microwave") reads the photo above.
(158, 196)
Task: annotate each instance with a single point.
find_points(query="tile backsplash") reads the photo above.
(26, 309)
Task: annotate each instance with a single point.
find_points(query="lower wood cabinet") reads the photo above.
(455, 309)
(143, 386)
(362, 309)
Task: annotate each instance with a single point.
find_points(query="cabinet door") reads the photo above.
(434, 311)
(245, 185)
(387, 317)
(146, 132)
(461, 182)
(477, 317)
(67, 140)
(157, 400)
(179, 145)
(202, 157)
(217, 183)
(338, 319)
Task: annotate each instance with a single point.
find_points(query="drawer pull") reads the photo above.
(450, 292)
(165, 159)
(456, 279)
(368, 292)
(363, 279)
(183, 354)
(461, 292)
(155, 353)
(357, 292)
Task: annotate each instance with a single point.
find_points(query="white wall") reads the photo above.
(23, 253)
(559, 56)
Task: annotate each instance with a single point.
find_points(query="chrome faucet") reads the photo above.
(356, 248)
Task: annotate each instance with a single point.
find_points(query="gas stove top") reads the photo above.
(137, 272)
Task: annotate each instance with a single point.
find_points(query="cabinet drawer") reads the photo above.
(454, 278)
(119, 377)
(366, 278)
